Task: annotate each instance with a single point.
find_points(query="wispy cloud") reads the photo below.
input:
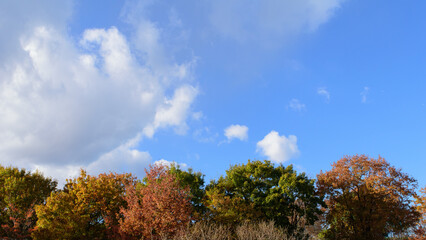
(197, 116)
(269, 22)
(205, 135)
(364, 94)
(322, 91)
(296, 105)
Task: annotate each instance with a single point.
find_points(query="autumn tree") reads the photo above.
(156, 208)
(20, 190)
(366, 199)
(195, 182)
(420, 229)
(87, 208)
(261, 191)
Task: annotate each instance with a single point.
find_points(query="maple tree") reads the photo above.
(157, 207)
(20, 190)
(87, 208)
(366, 199)
(261, 191)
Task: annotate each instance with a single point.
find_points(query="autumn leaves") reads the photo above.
(359, 198)
(20, 191)
(367, 199)
(158, 208)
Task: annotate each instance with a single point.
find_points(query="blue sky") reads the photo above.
(117, 85)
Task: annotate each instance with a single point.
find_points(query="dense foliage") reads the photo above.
(359, 198)
(195, 182)
(20, 191)
(261, 191)
(420, 230)
(87, 208)
(367, 199)
(158, 208)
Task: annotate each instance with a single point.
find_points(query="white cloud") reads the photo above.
(164, 162)
(296, 105)
(278, 148)
(237, 131)
(269, 20)
(124, 158)
(17, 18)
(66, 104)
(174, 111)
(364, 94)
(60, 173)
(322, 91)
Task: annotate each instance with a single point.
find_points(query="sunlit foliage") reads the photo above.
(157, 208)
(195, 182)
(261, 191)
(87, 208)
(366, 199)
(20, 190)
(420, 229)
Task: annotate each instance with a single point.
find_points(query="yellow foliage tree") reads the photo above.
(87, 208)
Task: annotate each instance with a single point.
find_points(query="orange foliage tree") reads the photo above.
(367, 199)
(157, 208)
(87, 208)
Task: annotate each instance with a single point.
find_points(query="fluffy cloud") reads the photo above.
(269, 20)
(237, 131)
(174, 111)
(124, 158)
(296, 105)
(278, 148)
(66, 104)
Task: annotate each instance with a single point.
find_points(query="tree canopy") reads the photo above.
(195, 182)
(87, 208)
(20, 191)
(359, 198)
(366, 199)
(160, 207)
(259, 190)
(420, 229)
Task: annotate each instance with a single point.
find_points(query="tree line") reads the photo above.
(359, 198)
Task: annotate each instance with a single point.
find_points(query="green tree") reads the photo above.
(20, 190)
(87, 208)
(261, 191)
(367, 199)
(195, 182)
